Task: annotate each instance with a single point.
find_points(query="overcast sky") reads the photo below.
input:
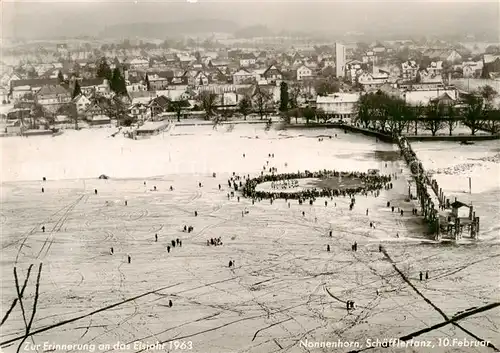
(89, 17)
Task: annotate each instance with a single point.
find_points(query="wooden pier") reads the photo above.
(444, 218)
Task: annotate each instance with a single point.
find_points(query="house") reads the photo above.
(139, 64)
(247, 60)
(200, 79)
(424, 97)
(491, 67)
(151, 128)
(426, 76)
(445, 99)
(242, 76)
(158, 105)
(272, 74)
(139, 111)
(471, 71)
(369, 57)
(338, 105)
(81, 103)
(21, 92)
(303, 72)
(435, 68)
(372, 80)
(13, 127)
(63, 122)
(460, 209)
(160, 80)
(33, 84)
(96, 115)
(52, 95)
(449, 55)
(99, 85)
(409, 70)
(135, 86)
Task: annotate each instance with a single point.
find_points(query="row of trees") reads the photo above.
(388, 114)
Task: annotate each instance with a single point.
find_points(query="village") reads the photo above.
(45, 89)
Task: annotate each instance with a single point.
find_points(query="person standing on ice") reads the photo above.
(421, 275)
(170, 303)
(43, 229)
(95, 191)
(168, 248)
(328, 248)
(426, 275)
(156, 237)
(111, 251)
(230, 263)
(129, 259)
(43, 190)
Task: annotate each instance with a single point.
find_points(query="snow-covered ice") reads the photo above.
(285, 287)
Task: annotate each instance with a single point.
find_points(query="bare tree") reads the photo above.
(451, 119)
(474, 113)
(245, 106)
(293, 94)
(262, 99)
(418, 113)
(434, 117)
(308, 113)
(207, 100)
(321, 115)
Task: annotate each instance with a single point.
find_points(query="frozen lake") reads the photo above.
(285, 287)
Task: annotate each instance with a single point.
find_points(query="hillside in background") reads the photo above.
(163, 30)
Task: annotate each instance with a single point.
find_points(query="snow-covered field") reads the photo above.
(285, 287)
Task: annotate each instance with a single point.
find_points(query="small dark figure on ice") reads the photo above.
(426, 275)
(173, 243)
(196, 213)
(185, 228)
(199, 184)
(129, 259)
(170, 304)
(328, 248)
(95, 191)
(230, 263)
(168, 248)
(219, 186)
(171, 188)
(44, 179)
(111, 251)
(126, 203)
(331, 232)
(43, 229)
(43, 190)
(156, 237)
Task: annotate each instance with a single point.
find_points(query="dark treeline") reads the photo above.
(370, 183)
(392, 115)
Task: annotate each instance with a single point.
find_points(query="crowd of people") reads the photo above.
(369, 183)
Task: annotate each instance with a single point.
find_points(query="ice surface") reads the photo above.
(284, 286)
